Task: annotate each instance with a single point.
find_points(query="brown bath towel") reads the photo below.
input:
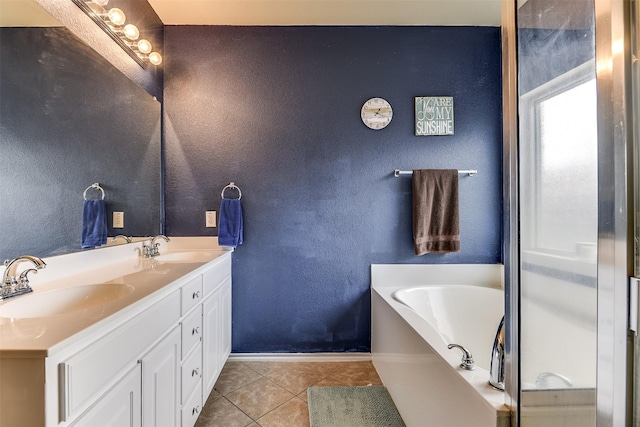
(436, 222)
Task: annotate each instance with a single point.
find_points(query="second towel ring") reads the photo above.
(94, 186)
(232, 186)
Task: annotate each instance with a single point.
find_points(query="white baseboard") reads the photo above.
(300, 357)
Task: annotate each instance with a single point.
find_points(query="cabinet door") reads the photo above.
(210, 339)
(161, 382)
(120, 407)
(87, 374)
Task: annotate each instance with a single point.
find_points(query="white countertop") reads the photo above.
(148, 279)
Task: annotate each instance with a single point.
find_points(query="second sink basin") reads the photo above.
(65, 300)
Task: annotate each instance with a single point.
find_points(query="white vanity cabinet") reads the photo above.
(153, 363)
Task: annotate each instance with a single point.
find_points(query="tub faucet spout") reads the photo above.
(496, 378)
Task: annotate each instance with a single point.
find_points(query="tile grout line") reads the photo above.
(239, 387)
(224, 395)
(239, 409)
(262, 376)
(280, 405)
(293, 394)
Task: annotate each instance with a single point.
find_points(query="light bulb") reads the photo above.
(117, 16)
(101, 2)
(155, 58)
(131, 32)
(144, 46)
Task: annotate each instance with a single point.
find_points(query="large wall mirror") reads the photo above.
(68, 119)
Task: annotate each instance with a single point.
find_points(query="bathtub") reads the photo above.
(416, 311)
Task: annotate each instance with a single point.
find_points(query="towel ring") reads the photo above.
(95, 186)
(232, 186)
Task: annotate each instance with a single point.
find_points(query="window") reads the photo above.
(559, 165)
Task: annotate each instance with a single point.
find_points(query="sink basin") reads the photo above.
(65, 300)
(190, 256)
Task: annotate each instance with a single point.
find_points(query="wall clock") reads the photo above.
(376, 113)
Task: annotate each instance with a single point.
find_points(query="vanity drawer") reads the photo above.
(191, 330)
(191, 294)
(191, 373)
(84, 376)
(192, 409)
(214, 277)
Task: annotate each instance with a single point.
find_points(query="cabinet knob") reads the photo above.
(195, 372)
(196, 410)
(196, 295)
(195, 331)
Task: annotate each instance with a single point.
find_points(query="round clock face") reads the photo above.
(376, 113)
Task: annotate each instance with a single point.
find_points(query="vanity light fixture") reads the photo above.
(144, 46)
(116, 17)
(155, 58)
(131, 32)
(112, 22)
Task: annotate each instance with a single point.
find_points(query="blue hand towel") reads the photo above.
(230, 228)
(94, 223)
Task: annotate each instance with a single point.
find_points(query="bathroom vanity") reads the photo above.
(123, 340)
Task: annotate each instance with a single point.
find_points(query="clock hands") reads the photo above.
(377, 111)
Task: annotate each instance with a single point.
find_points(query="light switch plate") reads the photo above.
(210, 219)
(118, 220)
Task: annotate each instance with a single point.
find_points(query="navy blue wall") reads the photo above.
(277, 110)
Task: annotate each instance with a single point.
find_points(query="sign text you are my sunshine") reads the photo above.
(434, 115)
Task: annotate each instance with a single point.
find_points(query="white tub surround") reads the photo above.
(409, 339)
(143, 348)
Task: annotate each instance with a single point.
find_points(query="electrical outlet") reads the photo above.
(118, 220)
(210, 219)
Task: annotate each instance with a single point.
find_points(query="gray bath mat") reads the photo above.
(368, 406)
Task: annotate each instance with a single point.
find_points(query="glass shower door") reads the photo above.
(558, 146)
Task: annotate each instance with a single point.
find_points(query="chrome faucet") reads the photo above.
(151, 250)
(122, 236)
(13, 284)
(467, 359)
(496, 377)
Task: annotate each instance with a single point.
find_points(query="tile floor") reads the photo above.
(270, 394)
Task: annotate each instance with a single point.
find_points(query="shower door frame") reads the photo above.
(615, 210)
(511, 250)
(634, 291)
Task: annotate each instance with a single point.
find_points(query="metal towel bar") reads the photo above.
(469, 172)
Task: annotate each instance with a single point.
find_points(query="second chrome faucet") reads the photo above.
(152, 249)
